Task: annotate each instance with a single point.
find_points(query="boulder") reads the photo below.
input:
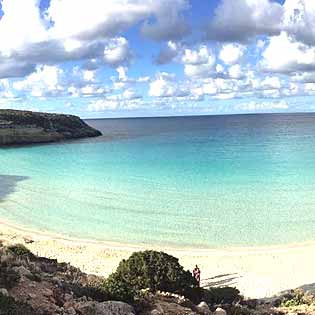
(4, 292)
(105, 308)
(219, 311)
(203, 308)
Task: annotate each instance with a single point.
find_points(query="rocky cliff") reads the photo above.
(26, 127)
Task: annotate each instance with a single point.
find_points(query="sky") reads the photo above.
(131, 58)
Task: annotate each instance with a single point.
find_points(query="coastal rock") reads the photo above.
(105, 308)
(220, 311)
(22, 271)
(4, 292)
(169, 308)
(26, 127)
(203, 308)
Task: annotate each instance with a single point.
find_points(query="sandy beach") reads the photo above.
(256, 272)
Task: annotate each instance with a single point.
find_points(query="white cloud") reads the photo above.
(196, 57)
(285, 55)
(270, 83)
(253, 106)
(117, 51)
(239, 20)
(20, 25)
(89, 75)
(169, 23)
(102, 19)
(198, 63)
(299, 20)
(128, 100)
(168, 53)
(164, 86)
(45, 81)
(231, 53)
(235, 72)
(131, 94)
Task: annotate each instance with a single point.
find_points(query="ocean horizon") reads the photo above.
(190, 181)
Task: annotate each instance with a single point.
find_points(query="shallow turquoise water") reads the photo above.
(195, 181)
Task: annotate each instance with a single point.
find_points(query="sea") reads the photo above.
(184, 182)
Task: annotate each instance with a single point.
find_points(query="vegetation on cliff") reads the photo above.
(26, 127)
(156, 271)
(156, 283)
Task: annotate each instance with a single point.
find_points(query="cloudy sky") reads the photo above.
(112, 58)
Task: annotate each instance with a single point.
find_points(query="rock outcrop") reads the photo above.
(32, 285)
(26, 127)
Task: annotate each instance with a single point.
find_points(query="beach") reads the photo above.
(256, 272)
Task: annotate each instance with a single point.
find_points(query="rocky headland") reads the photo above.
(25, 127)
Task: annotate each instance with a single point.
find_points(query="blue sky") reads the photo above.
(120, 58)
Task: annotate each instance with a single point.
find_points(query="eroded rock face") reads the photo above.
(26, 127)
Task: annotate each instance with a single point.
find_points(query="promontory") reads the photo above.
(25, 127)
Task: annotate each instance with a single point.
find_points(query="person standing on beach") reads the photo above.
(196, 273)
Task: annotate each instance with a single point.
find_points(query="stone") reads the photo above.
(219, 311)
(204, 309)
(4, 292)
(105, 308)
(22, 271)
(114, 308)
(47, 292)
(71, 311)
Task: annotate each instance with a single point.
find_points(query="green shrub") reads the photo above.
(297, 298)
(20, 250)
(8, 277)
(8, 306)
(148, 269)
(222, 295)
(117, 289)
(213, 296)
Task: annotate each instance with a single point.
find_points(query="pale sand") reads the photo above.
(256, 272)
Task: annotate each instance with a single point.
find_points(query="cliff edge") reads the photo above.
(26, 127)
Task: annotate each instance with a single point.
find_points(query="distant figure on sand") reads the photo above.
(196, 273)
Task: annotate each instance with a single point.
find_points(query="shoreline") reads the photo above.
(256, 271)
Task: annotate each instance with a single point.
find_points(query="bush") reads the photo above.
(20, 250)
(224, 295)
(117, 289)
(148, 269)
(8, 277)
(298, 297)
(8, 306)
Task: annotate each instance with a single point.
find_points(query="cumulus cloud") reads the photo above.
(80, 30)
(45, 81)
(164, 86)
(198, 63)
(231, 53)
(168, 22)
(117, 52)
(235, 72)
(128, 100)
(168, 53)
(240, 20)
(100, 19)
(285, 55)
(299, 20)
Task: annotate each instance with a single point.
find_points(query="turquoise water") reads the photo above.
(205, 182)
